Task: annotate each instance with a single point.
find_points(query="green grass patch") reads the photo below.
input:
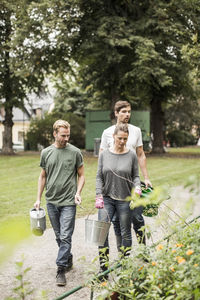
(188, 150)
(19, 177)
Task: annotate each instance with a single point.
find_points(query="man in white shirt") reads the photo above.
(122, 112)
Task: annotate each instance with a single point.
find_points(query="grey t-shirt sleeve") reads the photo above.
(99, 176)
(135, 172)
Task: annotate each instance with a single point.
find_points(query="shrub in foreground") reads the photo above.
(172, 271)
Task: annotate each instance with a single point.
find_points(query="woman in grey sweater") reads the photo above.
(117, 175)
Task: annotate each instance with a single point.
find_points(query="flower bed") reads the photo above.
(172, 271)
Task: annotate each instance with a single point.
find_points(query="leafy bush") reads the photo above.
(180, 138)
(40, 131)
(167, 270)
(172, 271)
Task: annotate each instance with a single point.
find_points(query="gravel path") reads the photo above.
(40, 254)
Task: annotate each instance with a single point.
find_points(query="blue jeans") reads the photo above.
(138, 222)
(62, 219)
(122, 208)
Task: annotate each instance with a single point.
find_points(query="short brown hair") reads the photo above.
(121, 104)
(121, 127)
(60, 123)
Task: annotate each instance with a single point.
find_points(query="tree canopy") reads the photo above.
(28, 54)
(136, 51)
(145, 51)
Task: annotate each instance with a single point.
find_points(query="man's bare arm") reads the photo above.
(41, 186)
(80, 184)
(142, 163)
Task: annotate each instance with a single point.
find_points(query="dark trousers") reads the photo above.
(122, 209)
(137, 221)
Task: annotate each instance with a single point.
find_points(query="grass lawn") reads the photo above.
(19, 176)
(190, 150)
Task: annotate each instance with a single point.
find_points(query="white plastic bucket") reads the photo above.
(38, 221)
(96, 231)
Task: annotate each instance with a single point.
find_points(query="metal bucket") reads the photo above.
(96, 231)
(38, 221)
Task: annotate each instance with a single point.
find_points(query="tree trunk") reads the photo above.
(7, 135)
(7, 88)
(114, 98)
(157, 122)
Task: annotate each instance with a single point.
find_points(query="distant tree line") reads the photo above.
(97, 52)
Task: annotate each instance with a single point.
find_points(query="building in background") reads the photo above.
(35, 107)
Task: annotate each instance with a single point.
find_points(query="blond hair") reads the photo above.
(121, 127)
(60, 123)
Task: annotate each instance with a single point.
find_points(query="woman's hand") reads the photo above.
(138, 191)
(99, 201)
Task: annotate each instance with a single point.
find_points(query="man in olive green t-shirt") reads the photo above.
(62, 176)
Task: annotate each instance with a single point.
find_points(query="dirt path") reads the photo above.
(40, 254)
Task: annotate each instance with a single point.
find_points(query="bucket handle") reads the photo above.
(100, 208)
(38, 215)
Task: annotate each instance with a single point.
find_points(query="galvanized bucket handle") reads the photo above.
(38, 216)
(100, 208)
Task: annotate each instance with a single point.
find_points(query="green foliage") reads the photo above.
(41, 132)
(70, 96)
(143, 51)
(180, 138)
(171, 273)
(137, 51)
(158, 195)
(182, 113)
(18, 75)
(23, 288)
(167, 270)
(71, 99)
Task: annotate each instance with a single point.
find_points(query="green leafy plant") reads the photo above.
(172, 271)
(40, 131)
(155, 198)
(23, 287)
(180, 138)
(169, 269)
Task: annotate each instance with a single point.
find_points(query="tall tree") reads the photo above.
(14, 84)
(169, 26)
(134, 50)
(125, 49)
(25, 57)
(8, 82)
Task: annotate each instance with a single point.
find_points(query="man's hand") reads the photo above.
(77, 199)
(37, 204)
(147, 183)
